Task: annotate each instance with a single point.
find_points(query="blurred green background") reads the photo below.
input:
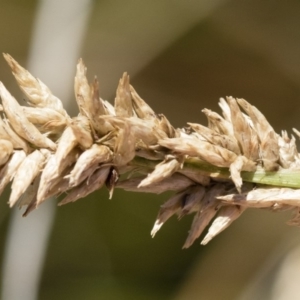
(182, 57)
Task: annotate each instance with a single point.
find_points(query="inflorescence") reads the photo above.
(237, 162)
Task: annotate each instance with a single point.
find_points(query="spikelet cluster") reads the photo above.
(47, 153)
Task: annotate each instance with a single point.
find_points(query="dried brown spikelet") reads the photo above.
(260, 122)
(67, 142)
(163, 170)
(124, 150)
(245, 136)
(29, 196)
(111, 180)
(269, 148)
(192, 200)
(8, 170)
(192, 146)
(141, 108)
(264, 197)
(52, 173)
(82, 90)
(88, 99)
(200, 222)
(18, 142)
(217, 123)
(167, 210)
(26, 173)
(225, 217)
(88, 162)
(176, 182)
(36, 91)
(225, 109)
(92, 184)
(123, 102)
(182, 203)
(62, 185)
(165, 126)
(82, 131)
(20, 123)
(208, 208)
(288, 155)
(47, 120)
(98, 107)
(225, 141)
(143, 130)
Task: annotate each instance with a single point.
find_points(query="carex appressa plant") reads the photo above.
(216, 172)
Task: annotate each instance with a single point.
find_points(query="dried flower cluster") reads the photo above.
(238, 161)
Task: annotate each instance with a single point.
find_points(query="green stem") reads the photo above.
(281, 178)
